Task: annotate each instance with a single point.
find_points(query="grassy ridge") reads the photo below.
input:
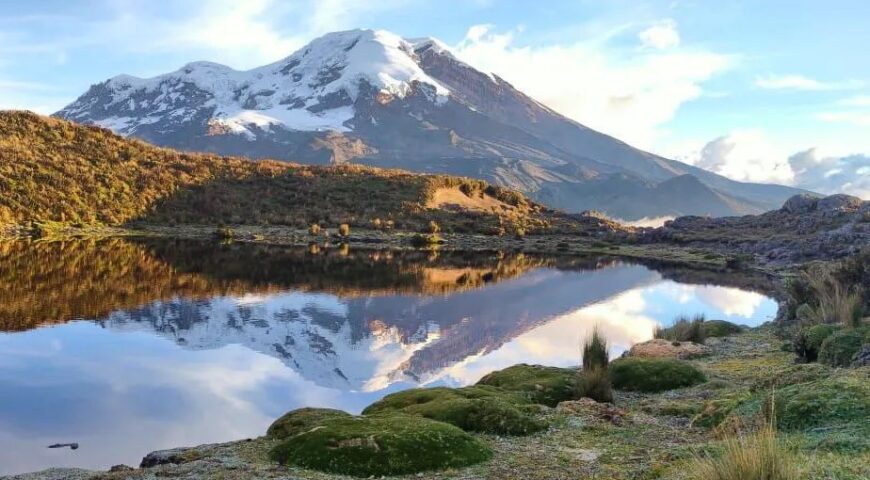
(56, 171)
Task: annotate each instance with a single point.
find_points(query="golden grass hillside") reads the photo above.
(56, 171)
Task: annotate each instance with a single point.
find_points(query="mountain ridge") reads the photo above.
(374, 98)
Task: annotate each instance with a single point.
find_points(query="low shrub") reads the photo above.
(809, 340)
(653, 374)
(720, 328)
(839, 348)
(380, 445)
(302, 420)
(344, 229)
(421, 240)
(538, 384)
(473, 409)
(314, 229)
(224, 233)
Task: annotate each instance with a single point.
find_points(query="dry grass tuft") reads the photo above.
(754, 456)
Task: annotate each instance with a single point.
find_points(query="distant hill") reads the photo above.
(374, 98)
(54, 170)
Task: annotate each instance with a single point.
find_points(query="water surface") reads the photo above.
(129, 346)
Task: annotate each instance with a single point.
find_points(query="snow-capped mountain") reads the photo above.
(373, 97)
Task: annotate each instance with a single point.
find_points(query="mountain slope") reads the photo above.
(372, 97)
(54, 170)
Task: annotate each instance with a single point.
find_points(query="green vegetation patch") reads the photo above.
(538, 384)
(473, 409)
(840, 347)
(379, 445)
(833, 411)
(721, 328)
(809, 340)
(303, 420)
(653, 374)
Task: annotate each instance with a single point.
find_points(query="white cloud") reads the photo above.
(857, 118)
(661, 35)
(800, 82)
(745, 155)
(856, 101)
(623, 92)
(749, 155)
(832, 174)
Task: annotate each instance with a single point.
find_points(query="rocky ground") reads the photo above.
(640, 436)
(806, 228)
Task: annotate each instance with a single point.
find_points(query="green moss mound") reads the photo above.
(473, 409)
(721, 328)
(379, 445)
(538, 384)
(302, 420)
(791, 375)
(653, 374)
(840, 347)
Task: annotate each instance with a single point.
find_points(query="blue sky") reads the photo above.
(775, 91)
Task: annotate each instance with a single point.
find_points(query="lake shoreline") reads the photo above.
(544, 244)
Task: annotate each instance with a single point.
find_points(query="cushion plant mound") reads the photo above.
(837, 400)
(473, 409)
(538, 384)
(377, 445)
(840, 347)
(721, 328)
(302, 420)
(653, 374)
(660, 348)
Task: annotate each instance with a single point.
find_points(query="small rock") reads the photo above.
(589, 407)
(121, 468)
(163, 457)
(659, 348)
(862, 358)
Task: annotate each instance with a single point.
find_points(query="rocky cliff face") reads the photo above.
(372, 97)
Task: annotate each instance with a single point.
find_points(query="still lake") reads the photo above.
(130, 346)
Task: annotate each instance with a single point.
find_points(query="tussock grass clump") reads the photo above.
(593, 380)
(379, 445)
(595, 383)
(821, 296)
(596, 354)
(653, 374)
(684, 330)
(755, 456)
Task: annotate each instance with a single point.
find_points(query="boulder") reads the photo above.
(862, 358)
(659, 348)
(170, 456)
(801, 203)
(839, 203)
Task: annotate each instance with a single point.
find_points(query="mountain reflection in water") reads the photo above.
(188, 342)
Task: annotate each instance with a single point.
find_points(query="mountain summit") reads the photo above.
(372, 97)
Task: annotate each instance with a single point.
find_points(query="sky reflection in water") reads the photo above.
(182, 371)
